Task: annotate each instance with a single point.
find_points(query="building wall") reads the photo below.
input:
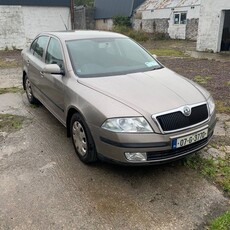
(104, 24)
(211, 24)
(162, 21)
(20, 24)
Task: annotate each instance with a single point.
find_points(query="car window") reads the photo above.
(109, 56)
(33, 45)
(40, 46)
(54, 54)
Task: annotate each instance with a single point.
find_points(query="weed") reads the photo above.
(6, 48)
(221, 223)
(222, 107)
(11, 90)
(136, 35)
(8, 64)
(10, 123)
(218, 170)
(201, 80)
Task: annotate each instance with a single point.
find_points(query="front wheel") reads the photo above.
(82, 139)
(29, 93)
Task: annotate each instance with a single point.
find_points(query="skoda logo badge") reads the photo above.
(187, 111)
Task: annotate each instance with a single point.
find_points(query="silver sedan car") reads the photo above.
(116, 100)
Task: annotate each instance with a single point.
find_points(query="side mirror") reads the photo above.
(155, 56)
(53, 69)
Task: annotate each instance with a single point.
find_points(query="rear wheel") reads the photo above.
(29, 93)
(82, 139)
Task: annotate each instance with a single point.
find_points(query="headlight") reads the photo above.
(127, 125)
(211, 105)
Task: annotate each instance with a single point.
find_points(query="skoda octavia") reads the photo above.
(115, 99)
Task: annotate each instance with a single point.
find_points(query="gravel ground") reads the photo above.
(217, 74)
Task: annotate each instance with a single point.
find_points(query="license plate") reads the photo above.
(187, 140)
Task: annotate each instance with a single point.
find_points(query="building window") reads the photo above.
(180, 18)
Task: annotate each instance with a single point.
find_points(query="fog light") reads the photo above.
(136, 156)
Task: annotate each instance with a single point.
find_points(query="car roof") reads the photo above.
(83, 34)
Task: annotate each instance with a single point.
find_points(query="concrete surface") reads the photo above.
(43, 184)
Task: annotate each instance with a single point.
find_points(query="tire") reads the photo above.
(29, 93)
(82, 140)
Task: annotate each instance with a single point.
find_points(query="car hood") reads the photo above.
(152, 92)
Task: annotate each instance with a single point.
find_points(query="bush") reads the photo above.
(139, 36)
(121, 21)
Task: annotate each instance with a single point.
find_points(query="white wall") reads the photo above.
(20, 24)
(178, 31)
(174, 31)
(211, 24)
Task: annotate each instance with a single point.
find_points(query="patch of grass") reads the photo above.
(8, 64)
(217, 170)
(167, 52)
(222, 107)
(11, 90)
(201, 80)
(221, 223)
(228, 83)
(10, 123)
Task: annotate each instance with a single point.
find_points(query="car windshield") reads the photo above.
(109, 56)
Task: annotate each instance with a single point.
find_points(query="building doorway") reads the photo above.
(225, 42)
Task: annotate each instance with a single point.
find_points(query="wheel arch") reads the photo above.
(71, 111)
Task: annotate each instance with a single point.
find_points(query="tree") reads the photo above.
(84, 2)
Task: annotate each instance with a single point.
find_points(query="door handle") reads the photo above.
(42, 74)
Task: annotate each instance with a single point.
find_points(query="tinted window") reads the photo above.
(40, 46)
(110, 56)
(54, 54)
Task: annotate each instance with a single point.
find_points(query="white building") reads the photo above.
(177, 18)
(22, 20)
(214, 26)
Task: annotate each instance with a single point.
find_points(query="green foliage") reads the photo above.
(221, 223)
(136, 35)
(84, 2)
(217, 170)
(121, 21)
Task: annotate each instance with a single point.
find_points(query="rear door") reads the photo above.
(35, 64)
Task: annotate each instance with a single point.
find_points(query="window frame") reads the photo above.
(44, 50)
(180, 14)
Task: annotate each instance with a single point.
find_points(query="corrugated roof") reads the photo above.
(161, 4)
(109, 8)
(36, 2)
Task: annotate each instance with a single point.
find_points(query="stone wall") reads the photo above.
(151, 25)
(192, 29)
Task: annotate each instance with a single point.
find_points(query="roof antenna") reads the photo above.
(63, 22)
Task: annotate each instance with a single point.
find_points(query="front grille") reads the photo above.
(174, 153)
(177, 120)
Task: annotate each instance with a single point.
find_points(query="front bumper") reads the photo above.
(158, 147)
